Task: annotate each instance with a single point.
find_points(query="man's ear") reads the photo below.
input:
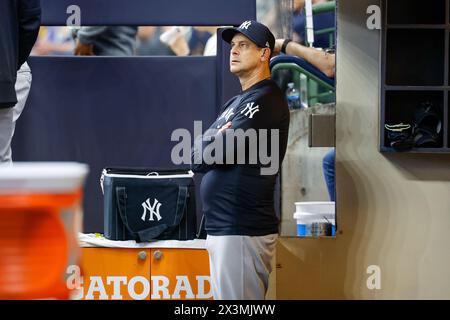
(266, 54)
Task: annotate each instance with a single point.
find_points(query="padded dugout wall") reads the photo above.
(121, 111)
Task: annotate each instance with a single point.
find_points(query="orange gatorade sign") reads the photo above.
(141, 274)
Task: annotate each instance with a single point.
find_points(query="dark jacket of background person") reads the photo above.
(109, 41)
(320, 21)
(19, 27)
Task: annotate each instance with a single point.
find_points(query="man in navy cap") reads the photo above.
(238, 198)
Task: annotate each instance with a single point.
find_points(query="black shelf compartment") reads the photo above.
(416, 150)
(416, 12)
(447, 117)
(400, 107)
(415, 57)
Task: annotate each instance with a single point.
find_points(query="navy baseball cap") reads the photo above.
(255, 31)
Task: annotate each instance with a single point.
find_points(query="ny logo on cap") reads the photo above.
(245, 25)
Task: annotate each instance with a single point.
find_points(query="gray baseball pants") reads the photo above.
(8, 117)
(240, 266)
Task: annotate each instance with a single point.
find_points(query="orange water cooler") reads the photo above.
(40, 217)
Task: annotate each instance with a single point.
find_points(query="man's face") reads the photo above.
(245, 55)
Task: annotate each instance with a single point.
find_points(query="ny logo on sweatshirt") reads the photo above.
(250, 110)
(227, 114)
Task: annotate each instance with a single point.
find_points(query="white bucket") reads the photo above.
(310, 212)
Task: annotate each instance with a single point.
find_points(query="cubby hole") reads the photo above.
(400, 107)
(416, 12)
(415, 57)
(447, 131)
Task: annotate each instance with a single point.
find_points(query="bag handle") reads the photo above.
(181, 204)
(121, 204)
(201, 229)
(151, 233)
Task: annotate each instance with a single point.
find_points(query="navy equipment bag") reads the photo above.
(148, 204)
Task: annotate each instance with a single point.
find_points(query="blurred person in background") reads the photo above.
(193, 41)
(321, 21)
(176, 38)
(149, 44)
(105, 41)
(325, 61)
(54, 41)
(198, 38)
(299, 21)
(267, 13)
(210, 48)
(19, 22)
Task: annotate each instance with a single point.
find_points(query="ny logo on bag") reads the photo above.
(152, 209)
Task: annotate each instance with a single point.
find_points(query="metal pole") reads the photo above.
(309, 23)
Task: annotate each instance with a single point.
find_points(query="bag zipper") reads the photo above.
(105, 173)
(190, 174)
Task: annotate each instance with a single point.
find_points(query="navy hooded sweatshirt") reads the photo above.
(19, 27)
(238, 198)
